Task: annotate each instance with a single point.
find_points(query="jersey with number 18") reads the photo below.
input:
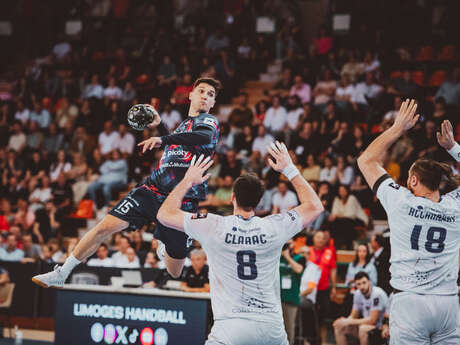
(424, 237)
(244, 258)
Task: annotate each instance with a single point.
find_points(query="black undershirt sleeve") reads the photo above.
(201, 136)
(379, 182)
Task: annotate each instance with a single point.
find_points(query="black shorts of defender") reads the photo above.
(140, 207)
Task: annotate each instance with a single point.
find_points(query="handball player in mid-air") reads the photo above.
(196, 135)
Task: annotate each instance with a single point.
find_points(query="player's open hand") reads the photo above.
(150, 143)
(197, 169)
(446, 137)
(406, 118)
(280, 153)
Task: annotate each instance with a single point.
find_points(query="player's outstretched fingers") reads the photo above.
(205, 162)
(208, 164)
(200, 159)
(192, 163)
(271, 151)
(271, 163)
(273, 146)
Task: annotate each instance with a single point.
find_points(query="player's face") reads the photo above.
(203, 98)
(363, 285)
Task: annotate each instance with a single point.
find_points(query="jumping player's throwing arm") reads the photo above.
(197, 134)
(424, 235)
(244, 251)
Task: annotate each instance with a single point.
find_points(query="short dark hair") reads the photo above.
(248, 191)
(380, 240)
(431, 173)
(104, 245)
(216, 84)
(361, 274)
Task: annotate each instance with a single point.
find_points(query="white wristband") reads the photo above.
(290, 171)
(455, 152)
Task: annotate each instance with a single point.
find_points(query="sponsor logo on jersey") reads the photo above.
(376, 301)
(199, 215)
(210, 121)
(431, 214)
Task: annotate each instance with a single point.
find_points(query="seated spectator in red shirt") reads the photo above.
(195, 278)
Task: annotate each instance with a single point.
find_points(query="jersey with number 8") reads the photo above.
(244, 257)
(425, 239)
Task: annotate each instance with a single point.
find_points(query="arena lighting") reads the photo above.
(147, 336)
(161, 337)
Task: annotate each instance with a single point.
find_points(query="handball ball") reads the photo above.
(141, 115)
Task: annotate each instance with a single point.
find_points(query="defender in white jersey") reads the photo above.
(424, 236)
(244, 252)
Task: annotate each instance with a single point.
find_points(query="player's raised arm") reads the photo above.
(170, 214)
(310, 205)
(370, 161)
(446, 140)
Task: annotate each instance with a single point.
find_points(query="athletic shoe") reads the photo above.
(50, 279)
(161, 250)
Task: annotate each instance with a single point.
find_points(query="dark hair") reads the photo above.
(380, 240)
(361, 274)
(368, 256)
(216, 84)
(432, 173)
(104, 245)
(248, 191)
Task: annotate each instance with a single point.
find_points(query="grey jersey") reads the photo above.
(244, 257)
(377, 300)
(425, 239)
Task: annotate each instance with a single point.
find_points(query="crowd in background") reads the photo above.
(64, 137)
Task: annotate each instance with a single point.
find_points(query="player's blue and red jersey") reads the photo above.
(176, 158)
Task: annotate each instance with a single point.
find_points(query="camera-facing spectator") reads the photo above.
(102, 257)
(195, 277)
(284, 199)
(361, 263)
(32, 251)
(108, 139)
(94, 89)
(151, 260)
(10, 251)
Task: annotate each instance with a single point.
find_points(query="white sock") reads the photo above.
(70, 263)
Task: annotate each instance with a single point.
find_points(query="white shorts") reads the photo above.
(423, 319)
(246, 332)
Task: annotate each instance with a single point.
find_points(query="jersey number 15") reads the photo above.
(435, 238)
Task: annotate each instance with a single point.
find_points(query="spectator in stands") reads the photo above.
(365, 92)
(291, 268)
(170, 117)
(405, 86)
(217, 41)
(381, 260)
(66, 113)
(151, 260)
(112, 91)
(391, 114)
(61, 166)
(275, 118)
(450, 89)
(231, 166)
(131, 260)
(371, 62)
(34, 137)
(284, 199)
(78, 177)
(323, 256)
(123, 244)
(45, 255)
(22, 113)
(344, 92)
(426, 142)
(195, 277)
(114, 175)
(294, 114)
(325, 88)
(102, 257)
(18, 139)
(32, 251)
(324, 193)
(129, 93)
(126, 141)
(370, 302)
(353, 68)
(53, 140)
(41, 194)
(62, 197)
(108, 139)
(346, 214)
(24, 217)
(361, 263)
(222, 199)
(283, 86)
(244, 141)
(166, 77)
(308, 290)
(10, 251)
(329, 171)
(301, 89)
(241, 114)
(440, 112)
(82, 142)
(312, 170)
(344, 173)
(262, 140)
(94, 89)
(40, 115)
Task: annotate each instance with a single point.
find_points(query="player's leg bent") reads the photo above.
(363, 334)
